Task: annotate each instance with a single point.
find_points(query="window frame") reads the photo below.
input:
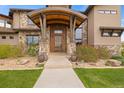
(32, 39)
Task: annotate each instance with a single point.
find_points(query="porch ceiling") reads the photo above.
(56, 15)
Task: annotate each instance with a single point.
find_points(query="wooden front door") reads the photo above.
(58, 38)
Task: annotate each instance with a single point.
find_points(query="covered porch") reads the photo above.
(58, 27)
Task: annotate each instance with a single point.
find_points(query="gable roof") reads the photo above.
(19, 9)
(5, 16)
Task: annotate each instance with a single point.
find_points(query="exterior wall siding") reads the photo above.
(9, 41)
(106, 20)
(91, 27)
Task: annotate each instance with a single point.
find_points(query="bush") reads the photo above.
(7, 51)
(32, 50)
(103, 53)
(122, 52)
(119, 58)
(86, 53)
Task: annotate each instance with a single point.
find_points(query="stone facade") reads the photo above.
(20, 20)
(22, 38)
(45, 44)
(113, 49)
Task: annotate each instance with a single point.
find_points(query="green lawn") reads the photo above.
(19, 78)
(101, 78)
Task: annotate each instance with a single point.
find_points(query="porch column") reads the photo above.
(43, 45)
(72, 28)
(71, 44)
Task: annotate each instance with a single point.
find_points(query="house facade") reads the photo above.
(53, 28)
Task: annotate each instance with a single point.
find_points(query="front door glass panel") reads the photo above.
(58, 40)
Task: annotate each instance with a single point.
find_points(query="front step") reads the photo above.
(57, 66)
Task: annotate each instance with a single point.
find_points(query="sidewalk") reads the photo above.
(58, 73)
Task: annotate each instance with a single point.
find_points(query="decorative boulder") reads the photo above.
(112, 62)
(23, 62)
(45, 57)
(73, 58)
(42, 57)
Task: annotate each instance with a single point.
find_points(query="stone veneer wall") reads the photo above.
(114, 49)
(20, 20)
(45, 44)
(22, 38)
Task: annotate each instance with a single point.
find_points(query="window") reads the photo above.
(2, 24)
(113, 12)
(3, 37)
(106, 34)
(107, 11)
(78, 34)
(11, 37)
(58, 31)
(116, 34)
(101, 11)
(32, 40)
(8, 25)
(30, 22)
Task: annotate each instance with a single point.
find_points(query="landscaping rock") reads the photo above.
(39, 64)
(73, 58)
(23, 62)
(112, 62)
(42, 57)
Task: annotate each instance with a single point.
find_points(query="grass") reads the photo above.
(19, 78)
(101, 78)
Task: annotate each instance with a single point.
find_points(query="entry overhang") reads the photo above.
(56, 15)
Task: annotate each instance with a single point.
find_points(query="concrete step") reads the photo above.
(58, 66)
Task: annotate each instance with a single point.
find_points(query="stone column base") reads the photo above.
(71, 48)
(43, 52)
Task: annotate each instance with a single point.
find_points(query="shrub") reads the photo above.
(32, 50)
(86, 53)
(103, 53)
(122, 52)
(119, 58)
(7, 51)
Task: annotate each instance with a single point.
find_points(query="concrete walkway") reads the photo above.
(58, 73)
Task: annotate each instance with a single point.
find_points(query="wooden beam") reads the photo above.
(44, 26)
(41, 23)
(71, 28)
(74, 25)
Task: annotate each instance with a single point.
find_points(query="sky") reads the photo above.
(4, 9)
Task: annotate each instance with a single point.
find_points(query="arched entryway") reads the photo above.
(57, 28)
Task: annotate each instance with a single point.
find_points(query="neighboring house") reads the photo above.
(53, 28)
